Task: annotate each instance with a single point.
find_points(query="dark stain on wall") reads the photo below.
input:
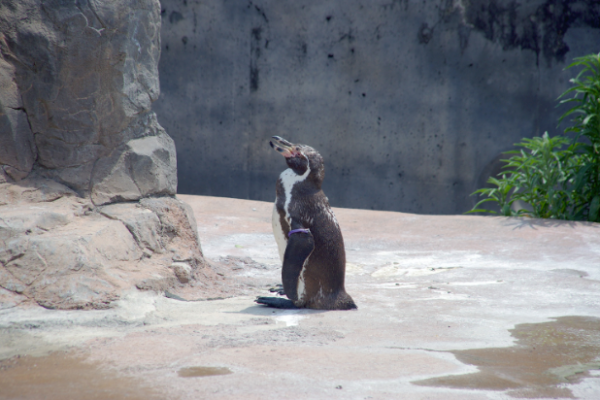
(425, 33)
(255, 50)
(259, 10)
(540, 29)
(175, 17)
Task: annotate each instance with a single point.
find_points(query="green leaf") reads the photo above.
(506, 210)
(594, 208)
(587, 119)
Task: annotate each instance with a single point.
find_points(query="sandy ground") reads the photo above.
(449, 307)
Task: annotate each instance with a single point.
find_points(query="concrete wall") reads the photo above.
(410, 102)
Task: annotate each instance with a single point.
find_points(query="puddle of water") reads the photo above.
(61, 375)
(195, 372)
(545, 357)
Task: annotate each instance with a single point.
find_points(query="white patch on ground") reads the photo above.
(412, 259)
(476, 283)
(392, 285)
(353, 269)
(443, 296)
(260, 247)
(396, 270)
(135, 312)
(290, 317)
(397, 388)
(427, 263)
(428, 271)
(393, 263)
(288, 179)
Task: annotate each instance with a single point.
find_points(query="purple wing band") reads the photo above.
(290, 233)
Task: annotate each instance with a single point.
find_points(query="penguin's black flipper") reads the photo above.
(276, 302)
(299, 247)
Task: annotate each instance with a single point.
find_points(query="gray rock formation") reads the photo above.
(77, 137)
(62, 251)
(78, 80)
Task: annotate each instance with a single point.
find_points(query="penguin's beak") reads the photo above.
(284, 147)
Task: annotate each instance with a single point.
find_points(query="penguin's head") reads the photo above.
(300, 158)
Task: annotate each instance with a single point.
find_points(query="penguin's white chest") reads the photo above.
(278, 232)
(288, 179)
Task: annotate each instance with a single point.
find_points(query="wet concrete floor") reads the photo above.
(198, 372)
(65, 375)
(545, 356)
(449, 307)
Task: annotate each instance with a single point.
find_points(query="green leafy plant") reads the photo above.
(556, 177)
(585, 118)
(533, 180)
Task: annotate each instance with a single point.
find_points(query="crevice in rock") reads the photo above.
(43, 260)
(33, 146)
(6, 52)
(8, 271)
(91, 182)
(87, 22)
(13, 258)
(139, 240)
(15, 291)
(132, 175)
(92, 4)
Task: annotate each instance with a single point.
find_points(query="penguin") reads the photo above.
(310, 243)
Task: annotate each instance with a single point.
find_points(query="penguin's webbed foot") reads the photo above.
(276, 302)
(278, 289)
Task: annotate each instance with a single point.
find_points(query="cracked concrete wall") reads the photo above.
(410, 102)
(77, 80)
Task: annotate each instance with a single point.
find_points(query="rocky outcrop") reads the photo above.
(67, 253)
(78, 138)
(78, 80)
(141, 167)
